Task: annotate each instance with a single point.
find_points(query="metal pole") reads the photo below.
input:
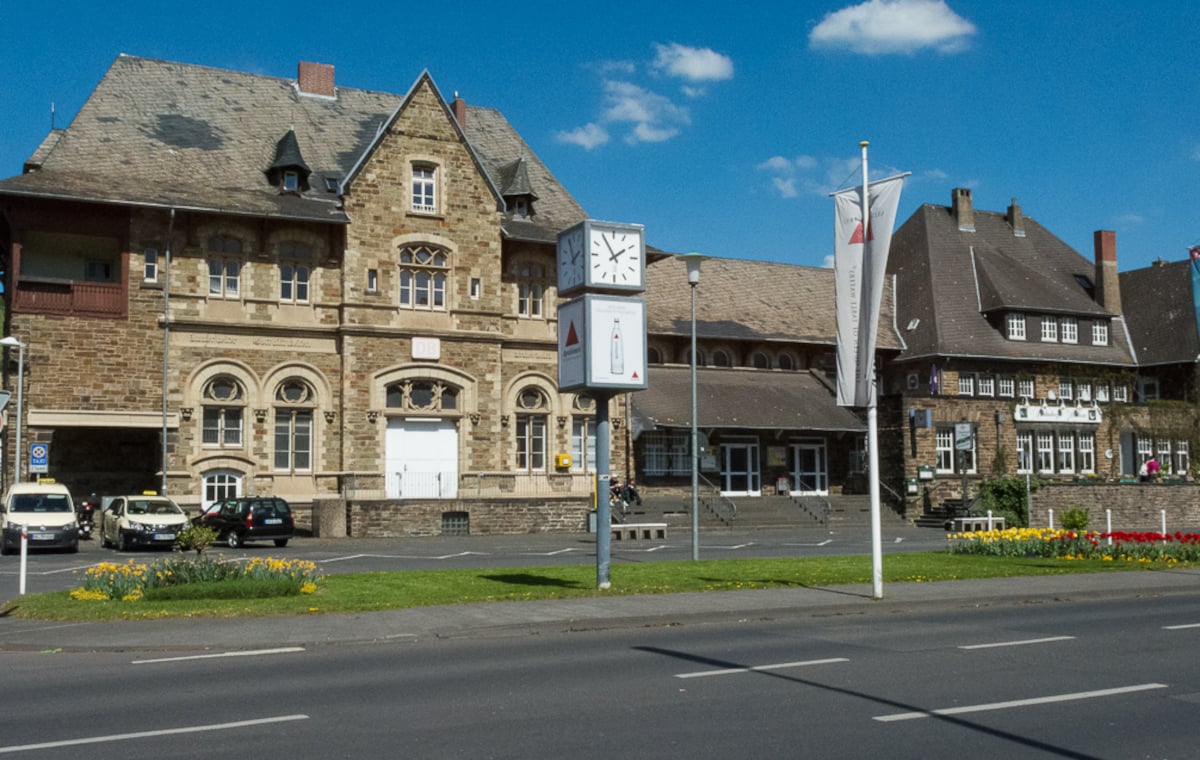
(20, 410)
(603, 491)
(695, 443)
(872, 413)
(166, 347)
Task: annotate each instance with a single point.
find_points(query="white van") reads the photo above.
(44, 512)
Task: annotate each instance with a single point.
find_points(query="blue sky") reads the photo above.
(720, 126)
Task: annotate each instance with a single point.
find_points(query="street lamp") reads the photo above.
(693, 272)
(9, 342)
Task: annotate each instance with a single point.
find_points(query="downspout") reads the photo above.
(166, 345)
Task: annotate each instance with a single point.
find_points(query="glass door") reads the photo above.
(739, 472)
(810, 471)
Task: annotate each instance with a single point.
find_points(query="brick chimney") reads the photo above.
(316, 79)
(964, 212)
(1016, 219)
(459, 108)
(1108, 286)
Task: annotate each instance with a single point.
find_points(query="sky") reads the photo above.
(723, 127)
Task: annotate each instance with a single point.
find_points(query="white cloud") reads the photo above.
(829, 259)
(880, 27)
(785, 186)
(655, 117)
(587, 137)
(1125, 221)
(692, 64)
(1196, 153)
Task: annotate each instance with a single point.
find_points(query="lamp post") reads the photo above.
(9, 342)
(693, 274)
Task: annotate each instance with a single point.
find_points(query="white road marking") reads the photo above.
(899, 539)
(993, 645)
(735, 546)
(1180, 627)
(42, 628)
(247, 653)
(401, 556)
(778, 666)
(1021, 702)
(826, 542)
(149, 734)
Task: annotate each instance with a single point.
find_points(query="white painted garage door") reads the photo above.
(422, 459)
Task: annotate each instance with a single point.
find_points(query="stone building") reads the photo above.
(229, 283)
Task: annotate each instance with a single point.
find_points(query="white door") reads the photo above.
(421, 459)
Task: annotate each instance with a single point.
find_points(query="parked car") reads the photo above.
(250, 518)
(44, 512)
(131, 521)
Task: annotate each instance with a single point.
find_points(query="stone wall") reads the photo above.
(1135, 506)
(395, 519)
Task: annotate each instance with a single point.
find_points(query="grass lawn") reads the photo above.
(363, 592)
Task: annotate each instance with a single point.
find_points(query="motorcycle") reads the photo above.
(86, 516)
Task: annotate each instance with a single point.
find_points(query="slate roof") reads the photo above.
(739, 299)
(744, 399)
(159, 133)
(1162, 316)
(949, 280)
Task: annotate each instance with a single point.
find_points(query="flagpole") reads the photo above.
(872, 395)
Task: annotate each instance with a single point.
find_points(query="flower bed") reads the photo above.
(129, 582)
(1069, 544)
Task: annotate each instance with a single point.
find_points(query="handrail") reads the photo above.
(720, 505)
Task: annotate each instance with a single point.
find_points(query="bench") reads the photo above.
(972, 524)
(638, 531)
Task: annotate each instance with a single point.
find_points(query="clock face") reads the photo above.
(570, 259)
(615, 257)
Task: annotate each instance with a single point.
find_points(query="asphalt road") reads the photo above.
(52, 571)
(1084, 679)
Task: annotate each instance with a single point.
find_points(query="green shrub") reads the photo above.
(1005, 496)
(196, 538)
(1075, 518)
(241, 588)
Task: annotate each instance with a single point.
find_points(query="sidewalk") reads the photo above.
(514, 618)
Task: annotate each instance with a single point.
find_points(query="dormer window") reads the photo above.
(291, 182)
(520, 207)
(288, 172)
(1016, 326)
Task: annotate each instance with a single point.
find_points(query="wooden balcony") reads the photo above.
(71, 298)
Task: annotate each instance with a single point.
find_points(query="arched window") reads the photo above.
(720, 358)
(422, 395)
(785, 362)
(423, 273)
(583, 434)
(220, 485)
(294, 403)
(532, 411)
(759, 360)
(224, 402)
(531, 288)
(653, 356)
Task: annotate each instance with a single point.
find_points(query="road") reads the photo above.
(51, 571)
(1086, 679)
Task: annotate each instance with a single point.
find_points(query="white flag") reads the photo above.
(860, 266)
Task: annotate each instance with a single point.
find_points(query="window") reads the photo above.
(293, 283)
(1144, 452)
(987, 385)
(1102, 392)
(1087, 452)
(1099, 333)
(422, 395)
(293, 427)
(1008, 385)
(1025, 388)
(966, 384)
(666, 453)
(532, 408)
(1049, 330)
(858, 456)
(291, 182)
(1163, 453)
(720, 358)
(1016, 327)
(223, 400)
(530, 290)
(476, 288)
(372, 280)
(1065, 388)
(423, 272)
(1069, 329)
(1024, 452)
(1084, 391)
(1066, 452)
(150, 265)
(1147, 389)
(97, 271)
(224, 266)
(424, 188)
(583, 434)
(1120, 393)
(220, 485)
(785, 362)
(759, 360)
(1045, 452)
(945, 449)
(653, 356)
(1183, 463)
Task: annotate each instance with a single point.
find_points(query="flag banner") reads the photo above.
(860, 268)
(1194, 255)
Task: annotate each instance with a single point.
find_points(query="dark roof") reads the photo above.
(949, 280)
(738, 299)
(742, 398)
(159, 133)
(287, 153)
(1159, 307)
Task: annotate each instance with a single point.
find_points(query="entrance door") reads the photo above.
(739, 474)
(422, 459)
(810, 471)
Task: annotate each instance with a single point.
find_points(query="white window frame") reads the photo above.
(1066, 390)
(1024, 452)
(1066, 452)
(1045, 451)
(150, 265)
(224, 278)
(583, 444)
(987, 386)
(1016, 326)
(531, 291)
(423, 284)
(1099, 333)
(293, 282)
(1084, 391)
(944, 448)
(1049, 330)
(1026, 388)
(1162, 452)
(424, 197)
(1007, 386)
(966, 384)
(1120, 393)
(1068, 329)
(1183, 460)
(1145, 450)
(1087, 453)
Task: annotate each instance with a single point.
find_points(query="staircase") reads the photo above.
(765, 512)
